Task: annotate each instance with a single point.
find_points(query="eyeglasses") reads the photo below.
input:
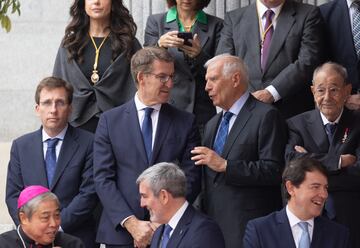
(58, 103)
(163, 78)
(333, 91)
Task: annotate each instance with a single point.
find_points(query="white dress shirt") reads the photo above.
(296, 229)
(60, 136)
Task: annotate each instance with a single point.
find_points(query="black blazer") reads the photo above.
(189, 86)
(250, 187)
(339, 39)
(295, 51)
(194, 230)
(73, 180)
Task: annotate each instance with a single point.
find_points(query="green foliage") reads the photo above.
(6, 6)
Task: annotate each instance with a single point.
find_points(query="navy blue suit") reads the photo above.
(73, 180)
(120, 157)
(339, 39)
(193, 230)
(273, 231)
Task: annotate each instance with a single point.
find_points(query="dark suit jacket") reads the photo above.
(114, 88)
(73, 180)
(273, 231)
(194, 230)
(307, 130)
(120, 157)
(339, 39)
(189, 86)
(295, 51)
(250, 187)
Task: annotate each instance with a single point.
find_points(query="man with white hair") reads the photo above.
(242, 153)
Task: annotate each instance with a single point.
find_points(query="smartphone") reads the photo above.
(186, 36)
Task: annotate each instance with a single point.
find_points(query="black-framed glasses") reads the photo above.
(163, 78)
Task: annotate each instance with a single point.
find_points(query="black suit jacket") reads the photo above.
(250, 187)
(295, 51)
(273, 231)
(120, 157)
(73, 180)
(307, 130)
(189, 86)
(193, 230)
(339, 39)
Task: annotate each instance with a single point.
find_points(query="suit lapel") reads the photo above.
(317, 238)
(239, 124)
(132, 117)
(37, 158)
(284, 23)
(201, 30)
(317, 131)
(69, 148)
(252, 36)
(163, 126)
(284, 234)
(181, 228)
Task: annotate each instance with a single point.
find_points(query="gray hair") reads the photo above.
(167, 176)
(143, 59)
(332, 66)
(31, 206)
(230, 66)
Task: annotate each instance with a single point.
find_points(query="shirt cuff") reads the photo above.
(122, 222)
(274, 93)
(339, 165)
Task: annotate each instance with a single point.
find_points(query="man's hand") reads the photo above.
(353, 102)
(206, 156)
(264, 96)
(347, 160)
(194, 50)
(300, 149)
(141, 231)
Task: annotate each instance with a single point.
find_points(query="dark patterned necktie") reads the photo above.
(266, 37)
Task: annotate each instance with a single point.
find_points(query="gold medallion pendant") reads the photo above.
(95, 77)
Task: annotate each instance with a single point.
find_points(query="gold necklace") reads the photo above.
(95, 76)
(187, 28)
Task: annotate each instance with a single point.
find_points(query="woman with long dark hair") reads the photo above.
(191, 37)
(94, 57)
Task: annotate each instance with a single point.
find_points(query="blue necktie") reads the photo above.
(166, 236)
(305, 236)
(356, 27)
(50, 159)
(147, 132)
(330, 131)
(222, 133)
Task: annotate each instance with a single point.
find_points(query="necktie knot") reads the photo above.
(51, 143)
(269, 15)
(330, 128)
(148, 111)
(304, 226)
(227, 116)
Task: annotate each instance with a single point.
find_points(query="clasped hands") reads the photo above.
(141, 231)
(170, 39)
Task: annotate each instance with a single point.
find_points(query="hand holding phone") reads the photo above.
(186, 36)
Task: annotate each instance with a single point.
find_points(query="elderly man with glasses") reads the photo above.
(331, 134)
(130, 138)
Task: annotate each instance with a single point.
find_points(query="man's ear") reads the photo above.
(235, 78)
(289, 187)
(23, 218)
(140, 77)
(164, 196)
